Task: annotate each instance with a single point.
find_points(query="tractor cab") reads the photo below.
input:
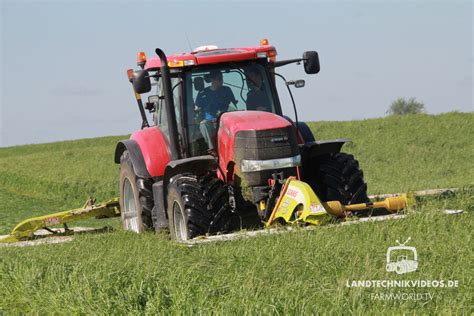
(202, 94)
(205, 84)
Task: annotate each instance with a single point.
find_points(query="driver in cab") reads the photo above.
(213, 101)
(257, 99)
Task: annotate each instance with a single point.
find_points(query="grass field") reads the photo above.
(295, 273)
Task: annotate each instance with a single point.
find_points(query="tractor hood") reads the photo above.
(256, 138)
(234, 122)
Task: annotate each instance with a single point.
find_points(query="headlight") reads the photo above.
(258, 165)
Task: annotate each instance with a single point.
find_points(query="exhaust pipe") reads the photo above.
(169, 103)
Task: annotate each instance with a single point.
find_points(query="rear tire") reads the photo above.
(338, 178)
(196, 206)
(136, 198)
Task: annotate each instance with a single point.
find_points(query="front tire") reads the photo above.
(135, 200)
(338, 178)
(196, 206)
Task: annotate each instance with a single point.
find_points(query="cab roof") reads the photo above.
(206, 55)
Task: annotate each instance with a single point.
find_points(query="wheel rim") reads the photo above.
(129, 212)
(180, 229)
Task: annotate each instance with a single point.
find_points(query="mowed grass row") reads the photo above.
(299, 272)
(303, 272)
(39, 179)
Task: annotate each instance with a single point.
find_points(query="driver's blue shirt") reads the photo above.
(214, 101)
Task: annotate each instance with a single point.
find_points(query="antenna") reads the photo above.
(398, 242)
(189, 43)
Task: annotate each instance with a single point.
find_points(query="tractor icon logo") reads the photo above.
(402, 259)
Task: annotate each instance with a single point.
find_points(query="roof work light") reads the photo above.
(141, 59)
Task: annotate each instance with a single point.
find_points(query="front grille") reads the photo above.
(264, 145)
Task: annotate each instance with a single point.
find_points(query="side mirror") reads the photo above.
(152, 103)
(311, 62)
(153, 99)
(297, 83)
(198, 83)
(141, 81)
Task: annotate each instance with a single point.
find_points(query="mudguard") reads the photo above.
(148, 150)
(317, 148)
(312, 148)
(304, 132)
(158, 213)
(196, 165)
(135, 155)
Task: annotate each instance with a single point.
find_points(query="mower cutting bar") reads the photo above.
(27, 228)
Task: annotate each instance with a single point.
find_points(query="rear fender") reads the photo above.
(149, 151)
(138, 162)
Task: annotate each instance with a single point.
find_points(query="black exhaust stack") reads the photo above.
(169, 103)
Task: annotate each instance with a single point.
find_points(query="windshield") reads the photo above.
(212, 91)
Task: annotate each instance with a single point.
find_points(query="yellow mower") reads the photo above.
(297, 204)
(25, 230)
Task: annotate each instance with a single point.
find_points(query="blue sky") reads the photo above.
(63, 64)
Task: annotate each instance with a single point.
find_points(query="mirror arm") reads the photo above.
(138, 98)
(142, 111)
(286, 62)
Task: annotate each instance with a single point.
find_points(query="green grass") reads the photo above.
(413, 152)
(296, 273)
(39, 179)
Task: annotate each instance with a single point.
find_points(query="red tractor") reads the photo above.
(216, 161)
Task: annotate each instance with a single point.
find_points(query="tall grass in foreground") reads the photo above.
(296, 273)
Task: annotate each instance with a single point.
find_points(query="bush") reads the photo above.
(401, 106)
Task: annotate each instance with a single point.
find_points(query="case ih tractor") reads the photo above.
(220, 154)
(196, 173)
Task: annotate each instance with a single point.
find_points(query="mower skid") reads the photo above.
(27, 228)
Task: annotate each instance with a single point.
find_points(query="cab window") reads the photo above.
(212, 91)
